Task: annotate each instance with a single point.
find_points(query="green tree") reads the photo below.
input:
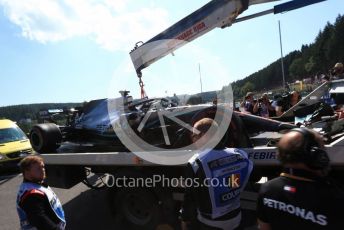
(296, 68)
(248, 87)
(315, 58)
(310, 65)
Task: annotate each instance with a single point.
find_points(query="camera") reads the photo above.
(284, 100)
(333, 72)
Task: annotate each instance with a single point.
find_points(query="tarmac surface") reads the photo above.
(84, 208)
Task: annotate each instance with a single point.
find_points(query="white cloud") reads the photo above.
(113, 24)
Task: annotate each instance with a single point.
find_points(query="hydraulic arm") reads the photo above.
(216, 13)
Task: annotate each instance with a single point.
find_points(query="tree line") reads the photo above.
(30, 111)
(314, 59)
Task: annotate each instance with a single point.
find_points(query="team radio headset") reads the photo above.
(312, 154)
(314, 157)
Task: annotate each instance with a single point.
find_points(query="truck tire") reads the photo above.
(137, 208)
(45, 137)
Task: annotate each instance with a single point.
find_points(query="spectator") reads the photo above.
(337, 71)
(215, 101)
(214, 207)
(37, 205)
(175, 100)
(302, 197)
(264, 107)
(292, 99)
(248, 104)
(276, 98)
(324, 78)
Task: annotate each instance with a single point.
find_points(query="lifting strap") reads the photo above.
(143, 92)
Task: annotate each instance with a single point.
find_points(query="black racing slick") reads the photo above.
(299, 199)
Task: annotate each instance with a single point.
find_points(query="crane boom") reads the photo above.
(216, 13)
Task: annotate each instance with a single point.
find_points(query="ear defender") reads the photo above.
(311, 154)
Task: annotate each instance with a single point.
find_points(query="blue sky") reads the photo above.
(78, 50)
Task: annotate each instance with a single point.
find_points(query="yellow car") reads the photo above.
(14, 144)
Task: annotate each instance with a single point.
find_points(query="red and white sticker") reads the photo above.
(290, 188)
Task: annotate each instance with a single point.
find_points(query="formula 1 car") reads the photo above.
(93, 124)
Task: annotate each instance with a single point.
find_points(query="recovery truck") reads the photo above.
(144, 207)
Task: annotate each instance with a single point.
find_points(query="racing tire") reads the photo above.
(45, 137)
(137, 208)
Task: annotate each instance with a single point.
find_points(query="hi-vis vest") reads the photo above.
(54, 202)
(228, 172)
